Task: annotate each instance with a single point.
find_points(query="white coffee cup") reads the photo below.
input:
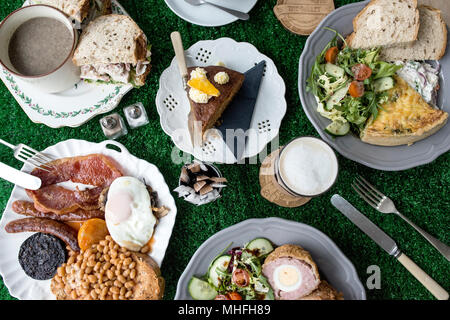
(306, 167)
(66, 75)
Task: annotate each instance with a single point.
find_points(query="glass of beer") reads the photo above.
(306, 167)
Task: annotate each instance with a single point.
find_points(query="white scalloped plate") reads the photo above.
(70, 108)
(378, 157)
(333, 265)
(173, 105)
(23, 287)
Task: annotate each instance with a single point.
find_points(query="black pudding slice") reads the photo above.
(41, 255)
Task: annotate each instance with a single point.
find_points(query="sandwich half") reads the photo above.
(79, 10)
(113, 49)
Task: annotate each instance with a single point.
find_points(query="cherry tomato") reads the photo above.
(361, 71)
(241, 278)
(356, 89)
(234, 296)
(222, 297)
(331, 54)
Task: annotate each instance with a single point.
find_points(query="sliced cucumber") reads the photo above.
(261, 245)
(383, 84)
(338, 128)
(334, 70)
(220, 263)
(201, 290)
(337, 97)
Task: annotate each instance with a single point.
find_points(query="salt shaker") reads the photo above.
(113, 126)
(136, 115)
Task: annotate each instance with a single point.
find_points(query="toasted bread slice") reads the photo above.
(431, 41)
(385, 23)
(111, 39)
(404, 119)
(208, 113)
(149, 282)
(76, 9)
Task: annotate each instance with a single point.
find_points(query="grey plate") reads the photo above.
(333, 265)
(378, 157)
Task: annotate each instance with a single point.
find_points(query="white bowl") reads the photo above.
(63, 77)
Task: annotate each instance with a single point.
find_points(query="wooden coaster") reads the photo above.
(302, 16)
(271, 190)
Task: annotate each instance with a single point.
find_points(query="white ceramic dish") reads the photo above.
(23, 287)
(209, 16)
(332, 264)
(173, 105)
(70, 108)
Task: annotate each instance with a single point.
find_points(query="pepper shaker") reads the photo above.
(113, 126)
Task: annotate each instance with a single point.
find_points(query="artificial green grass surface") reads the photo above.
(422, 194)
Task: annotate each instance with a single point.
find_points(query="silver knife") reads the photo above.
(194, 126)
(388, 245)
(19, 178)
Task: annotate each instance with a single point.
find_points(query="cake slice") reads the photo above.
(210, 90)
(385, 23)
(404, 119)
(431, 41)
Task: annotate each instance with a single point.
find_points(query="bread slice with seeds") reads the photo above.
(113, 49)
(431, 41)
(385, 23)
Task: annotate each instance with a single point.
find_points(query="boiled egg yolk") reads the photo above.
(287, 278)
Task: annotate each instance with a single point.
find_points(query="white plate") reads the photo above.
(173, 105)
(333, 265)
(209, 16)
(70, 108)
(23, 287)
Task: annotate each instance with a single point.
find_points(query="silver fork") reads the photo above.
(28, 155)
(385, 205)
(238, 14)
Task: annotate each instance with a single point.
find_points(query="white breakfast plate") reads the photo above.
(23, 287)
(70, 108)
(209, 16)
(173, 105)
(333, 265)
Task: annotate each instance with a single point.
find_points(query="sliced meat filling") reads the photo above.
(118, 72)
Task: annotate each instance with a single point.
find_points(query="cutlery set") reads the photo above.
(384, 204)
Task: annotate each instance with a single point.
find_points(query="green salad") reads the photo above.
(349, 85)
(235, 274)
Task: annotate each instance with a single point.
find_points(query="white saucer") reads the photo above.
(209, 16)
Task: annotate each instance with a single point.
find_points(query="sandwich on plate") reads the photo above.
(80, 11)
(113, 50)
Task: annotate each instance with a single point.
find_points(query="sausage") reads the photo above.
(27, 208)
(44, 225)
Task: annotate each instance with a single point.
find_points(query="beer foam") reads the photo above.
(308, 166)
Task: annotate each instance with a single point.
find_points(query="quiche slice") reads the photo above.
(404, 119)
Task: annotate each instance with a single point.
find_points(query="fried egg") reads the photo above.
(128, 213)
(287, 277)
